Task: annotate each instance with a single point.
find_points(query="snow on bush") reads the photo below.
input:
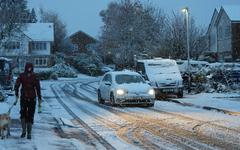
(88, 64)
(58, 70)
(218, 77)
(63, 70)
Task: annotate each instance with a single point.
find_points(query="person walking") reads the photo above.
(30, 88)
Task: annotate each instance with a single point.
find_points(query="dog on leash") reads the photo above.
(5, 122)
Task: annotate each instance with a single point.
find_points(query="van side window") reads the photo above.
(107, 78)
(140, 67)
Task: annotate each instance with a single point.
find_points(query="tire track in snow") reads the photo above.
(89, 129)
(126, 132)
(182, 142)
(199, 124)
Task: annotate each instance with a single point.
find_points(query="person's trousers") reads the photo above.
(27, 109)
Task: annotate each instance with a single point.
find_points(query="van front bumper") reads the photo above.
(168, 90)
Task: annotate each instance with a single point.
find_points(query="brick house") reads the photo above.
(80, 40)
(33, 44)
(224, 33)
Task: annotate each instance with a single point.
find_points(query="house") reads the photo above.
(224, 33)
(33, 44)
(81, 40)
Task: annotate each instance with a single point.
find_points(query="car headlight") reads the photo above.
(120, 92)
(151, 92)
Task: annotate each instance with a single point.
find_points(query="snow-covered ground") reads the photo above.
(168, 125)
(226, 101)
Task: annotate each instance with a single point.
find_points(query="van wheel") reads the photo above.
(100, 100)
(112, 100)
(180, 94)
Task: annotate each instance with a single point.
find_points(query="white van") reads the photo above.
(163, 74)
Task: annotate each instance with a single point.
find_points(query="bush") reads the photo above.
(44, 75)
(63, 70)
(87, 64)
(54, 76)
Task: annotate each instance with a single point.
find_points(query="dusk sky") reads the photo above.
(84, 14)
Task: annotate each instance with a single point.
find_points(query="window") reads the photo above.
(107, 78)
(140, 67)
(12, 45)
(36, 62)
(125, 78)
(41, 62)
(38, 45)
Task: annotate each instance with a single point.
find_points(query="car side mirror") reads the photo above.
(107, 83)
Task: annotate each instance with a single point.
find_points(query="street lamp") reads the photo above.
(186, 12)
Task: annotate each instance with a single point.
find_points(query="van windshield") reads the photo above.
(124, 78)
(162, 68)
(166, 64)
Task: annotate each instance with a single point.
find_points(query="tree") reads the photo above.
(11, 18)
(131, 28)
(60, 31)
(33, 17)
(175, 45)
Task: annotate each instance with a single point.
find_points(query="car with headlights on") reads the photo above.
(125, 87)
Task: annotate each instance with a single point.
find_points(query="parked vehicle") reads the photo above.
(6, 77)
(194, 67)
(163, 75)
(106, 69)
(125, 87)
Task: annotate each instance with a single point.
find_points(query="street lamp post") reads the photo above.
(186, 12)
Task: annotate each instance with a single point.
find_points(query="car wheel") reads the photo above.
(180, 94)
(112, 100)
(151, 105)
(100, 100)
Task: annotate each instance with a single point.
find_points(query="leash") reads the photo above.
(9, 110)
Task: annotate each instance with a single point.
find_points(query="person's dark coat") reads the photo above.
(30, 84)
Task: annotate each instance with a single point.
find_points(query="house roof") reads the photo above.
(213, 19)
(40, 31)
(82, 35)
(233, 12)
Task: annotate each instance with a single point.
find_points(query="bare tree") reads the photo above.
(11, 18)
(175, 43)
(60, 31)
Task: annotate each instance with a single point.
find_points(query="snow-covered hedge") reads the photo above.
(87, 64)
(63, 70)
(58, 70)
(44, 74)
(218, 77)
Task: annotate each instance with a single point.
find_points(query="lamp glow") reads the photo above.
(120, 92)
(151, 92)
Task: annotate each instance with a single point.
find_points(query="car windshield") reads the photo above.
(124, 78)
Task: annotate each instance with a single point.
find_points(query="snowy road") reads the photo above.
(73, 119)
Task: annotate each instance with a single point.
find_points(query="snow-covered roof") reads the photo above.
(213, 19)
(5, 59)
(157, 61)
(128, 72)
(233, 12)
(40, 31)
